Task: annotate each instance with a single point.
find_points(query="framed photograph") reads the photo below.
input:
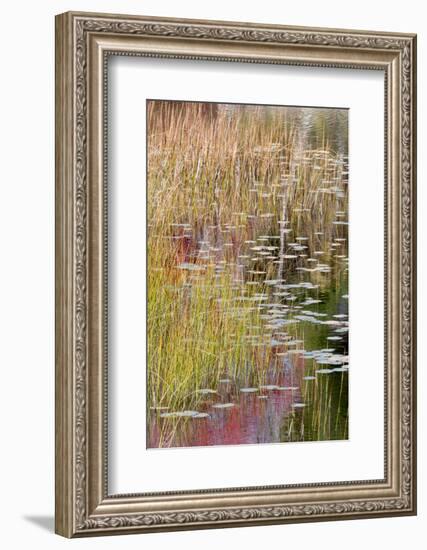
(235, 274)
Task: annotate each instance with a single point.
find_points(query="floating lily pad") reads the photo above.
(191, 267)
(201, 415)
(307, 318)
(179, 414)
(206, 391)
(324, 371)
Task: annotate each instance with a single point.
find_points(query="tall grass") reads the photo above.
(223, 179)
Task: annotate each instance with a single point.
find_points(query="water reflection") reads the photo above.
(248, 277)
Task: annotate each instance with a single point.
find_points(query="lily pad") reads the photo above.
(188, 414)
(201, 415)
(191, 267)
(324, 371)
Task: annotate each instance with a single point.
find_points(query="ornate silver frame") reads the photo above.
(83, 43)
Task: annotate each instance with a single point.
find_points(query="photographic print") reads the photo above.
(247, 284)
(206, 237)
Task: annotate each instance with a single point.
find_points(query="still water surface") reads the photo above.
(292, 267)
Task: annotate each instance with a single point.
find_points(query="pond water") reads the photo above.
(278, 273)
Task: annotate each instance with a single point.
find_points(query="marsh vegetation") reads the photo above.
(247, 285)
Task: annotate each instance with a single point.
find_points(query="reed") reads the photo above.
(218, 181)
